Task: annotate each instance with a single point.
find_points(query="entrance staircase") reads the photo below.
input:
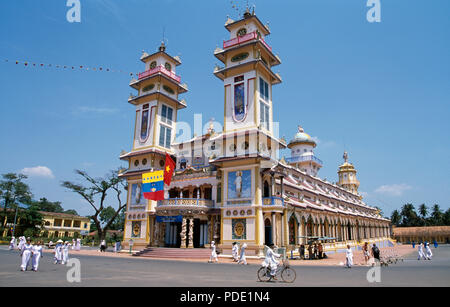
(175, 253)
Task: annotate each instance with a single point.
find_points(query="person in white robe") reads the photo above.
(58, 251)
(36, 255)
(420, 252)
(21, 242)
(213, 253)
(73, 244)
(235, 252)
(12, 243)
(271, 261)
(25, 253)
(429, 254)
(242, 255)
(65, 252)
(348, 257)
(78, 245)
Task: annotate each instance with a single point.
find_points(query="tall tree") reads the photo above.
(423, 211)
(437, 216)
(396, 218)
(95, 194)
(447, 217)
(13, 191)
(409, 216)
(49, 206)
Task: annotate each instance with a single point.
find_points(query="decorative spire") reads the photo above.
(162, 47)
(300, 129)
(345, 156)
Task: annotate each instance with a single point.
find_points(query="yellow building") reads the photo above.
(65, 225)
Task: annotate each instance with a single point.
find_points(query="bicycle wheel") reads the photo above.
(263, 274)
(288, 275)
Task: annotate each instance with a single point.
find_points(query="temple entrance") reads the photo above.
(268, 233)
(172, 237)
(200, 233)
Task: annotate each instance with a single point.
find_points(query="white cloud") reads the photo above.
(38, 171)
(393, 189)
(323, 144)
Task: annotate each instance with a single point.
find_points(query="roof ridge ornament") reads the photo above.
(345, 156)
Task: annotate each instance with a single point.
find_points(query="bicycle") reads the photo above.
(285, 271)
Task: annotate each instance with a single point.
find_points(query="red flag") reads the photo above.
(168, 169)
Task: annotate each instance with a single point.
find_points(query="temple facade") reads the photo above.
(232, 185)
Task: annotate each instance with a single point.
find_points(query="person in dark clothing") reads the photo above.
(302, 251)
(375, 252)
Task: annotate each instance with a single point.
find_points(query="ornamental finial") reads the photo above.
(345, 156)
(300, 129)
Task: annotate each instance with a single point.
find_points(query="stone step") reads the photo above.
(161, 252)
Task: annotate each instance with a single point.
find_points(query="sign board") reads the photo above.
(169, 219)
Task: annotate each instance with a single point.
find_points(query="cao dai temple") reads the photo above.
(230, 186)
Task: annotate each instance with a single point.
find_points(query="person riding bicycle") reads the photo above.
(270, 261)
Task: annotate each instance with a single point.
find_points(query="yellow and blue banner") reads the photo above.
(153, 185)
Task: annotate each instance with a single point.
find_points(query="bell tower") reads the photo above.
(347, 176)
(247, 75)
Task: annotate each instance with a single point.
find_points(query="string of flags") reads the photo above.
(69, 67)
(153, 182)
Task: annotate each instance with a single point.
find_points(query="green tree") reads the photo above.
(95, 194)
(31, 220)
(108, 213)
(437, 217)
(423, 211)
(447, 217)
(13, 191)
(396, 218)
(409, 216)
(49, 206)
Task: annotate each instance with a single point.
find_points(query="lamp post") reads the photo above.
(15, 219)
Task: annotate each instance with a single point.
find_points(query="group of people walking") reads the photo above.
(368, 253)
(32, 252)
(237, 257)
(427, 254)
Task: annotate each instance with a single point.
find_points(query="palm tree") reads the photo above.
(437, 216)
(409, 216)
(396, 218)
(423, 211)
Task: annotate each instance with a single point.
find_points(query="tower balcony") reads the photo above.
(243, 39)
(304, 159)
(159, 69)
(273, 201)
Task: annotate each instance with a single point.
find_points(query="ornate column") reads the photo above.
(156, 234)
(274, 224)
(191, 233)
(183, 233)
(162, 234)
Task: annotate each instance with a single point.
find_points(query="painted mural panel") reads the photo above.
(136, 229)
(240, 184)
(239, 102)
(137, 195)
(239, 229)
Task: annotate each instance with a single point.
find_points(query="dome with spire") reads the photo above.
(301, 138)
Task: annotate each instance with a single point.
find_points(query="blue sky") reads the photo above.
(378, 90)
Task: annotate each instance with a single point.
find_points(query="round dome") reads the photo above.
(302, 137)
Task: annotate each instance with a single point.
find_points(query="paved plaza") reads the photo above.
(122, 271)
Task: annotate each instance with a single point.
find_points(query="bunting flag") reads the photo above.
(168, 169)
(70, 67)
(153, 185)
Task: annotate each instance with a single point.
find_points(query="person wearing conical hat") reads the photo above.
(213, 253)
(21, 242)
(25, 253)
(65, 252)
